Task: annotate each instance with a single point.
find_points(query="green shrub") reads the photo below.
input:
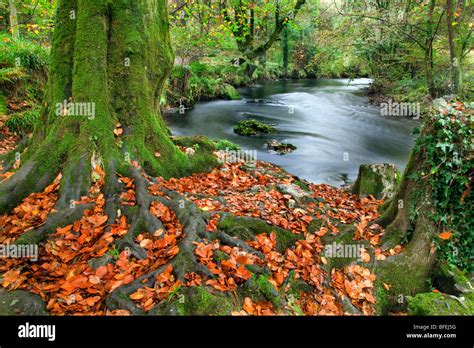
(23, 53)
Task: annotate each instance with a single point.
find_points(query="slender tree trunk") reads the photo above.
(454, 59)
(285, 50)
(15, 29)
(429, 71)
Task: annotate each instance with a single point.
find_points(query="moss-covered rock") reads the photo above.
(378, 180)
(195, 301)
(253, 127)
(229, 92)
(246, 228)
(449, 279)
(440, 304)
(21, 302)
(281, 148)
(226, 145)
(300, 195)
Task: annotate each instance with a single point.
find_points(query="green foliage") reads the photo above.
(204, 80)
(253, 127)
(11, 75)
(449, 153)
(23, 54)
(23, 122)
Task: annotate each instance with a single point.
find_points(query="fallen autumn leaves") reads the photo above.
(66, 281)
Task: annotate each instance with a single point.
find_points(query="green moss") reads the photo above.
(195, 301)
(382, 304)
(294, 287)
(23, 122)
(223, 145)
(440, 304)
(403, 277)
(258, 288)
(376, 180)
(449, 279)
(3, 105)
(220, 256)
(247, 228)
(315, 225)
(253, 127)
(303, 186)
(197, 141)
(229, 92)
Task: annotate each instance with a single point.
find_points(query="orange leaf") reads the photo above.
(137, 295)
(445, 235)
(248, 305)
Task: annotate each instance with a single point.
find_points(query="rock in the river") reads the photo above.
(21, 302)
(253, 127)
(378, 180)
(281, 148)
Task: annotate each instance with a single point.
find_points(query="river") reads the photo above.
(329, 120)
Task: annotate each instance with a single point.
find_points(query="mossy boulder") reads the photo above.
(226, 145)
(230, 93)
(449, 279)
(300, 195)
(440, 304)
(246, 228)
(378, 180)
(21, 302)
(195, 301)
(253, 127)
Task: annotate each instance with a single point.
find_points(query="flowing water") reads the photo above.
(329, 120)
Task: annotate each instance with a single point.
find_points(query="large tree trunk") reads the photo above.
(113, 58)
(407, 216)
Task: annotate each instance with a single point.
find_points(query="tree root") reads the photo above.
(141, 220)
(61, 218)
(22, 184)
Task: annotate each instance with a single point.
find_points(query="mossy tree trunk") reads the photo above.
(112, 58)
(407, 221)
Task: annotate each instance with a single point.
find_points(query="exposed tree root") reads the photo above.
(23, 183)
(62, 217)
